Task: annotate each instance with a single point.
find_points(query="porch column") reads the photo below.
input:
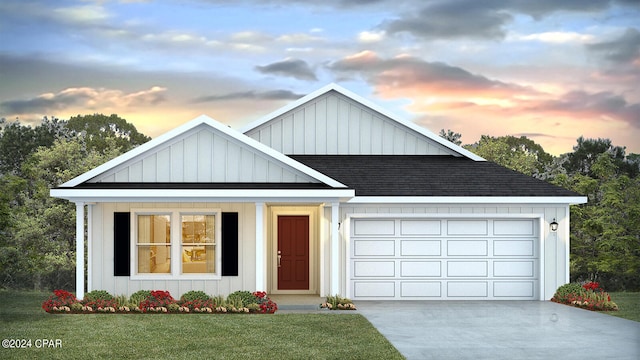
(261, 254)
(335, 249)
(80, 250)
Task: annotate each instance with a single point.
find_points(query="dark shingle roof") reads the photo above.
(427, 175)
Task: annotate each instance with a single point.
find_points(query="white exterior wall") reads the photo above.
(555, 257)
(203, 155)
(102, 256)
(334, 124)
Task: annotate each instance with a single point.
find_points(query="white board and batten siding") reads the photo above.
(333, 124)
(203, 155)
(101, 261)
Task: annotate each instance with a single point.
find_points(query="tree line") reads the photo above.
(37, 232)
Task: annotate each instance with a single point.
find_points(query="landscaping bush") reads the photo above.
(194, 295)
(139, 296)
(97, 295)
(60, 301)
(338, 303)
(566, 291)
(99, 300)
(588, 296)
(242, 298)
(157, 301)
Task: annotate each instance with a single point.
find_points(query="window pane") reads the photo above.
(198, 229)
(198, 259)
(154, 229)
(198, 238)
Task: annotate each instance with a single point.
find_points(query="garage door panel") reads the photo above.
(524, 289)
(467, 247)
(420, 227)
(467, 268)
(513, 227)
(513, 268)
(421, 289)
(458, 289)
(374, 268)
(513, 248)
(467, 227)
(374, 227)
(374, 248)
(420, 268)
(420, 247)
(374, 289)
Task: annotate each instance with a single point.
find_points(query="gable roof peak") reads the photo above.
(191, 125)
(355, 97)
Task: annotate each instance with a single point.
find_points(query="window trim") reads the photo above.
(175, 216)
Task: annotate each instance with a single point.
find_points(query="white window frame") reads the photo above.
(175, 216)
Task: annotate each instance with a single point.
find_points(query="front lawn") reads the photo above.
(628, 303)
(182, 336)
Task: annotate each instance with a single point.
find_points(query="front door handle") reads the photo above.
(279, 257)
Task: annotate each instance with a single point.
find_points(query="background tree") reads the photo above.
(37, 238)
(605, 232)
(519, 154)
(100, 129)
(453, 137)
(17, 142)
(586, 152)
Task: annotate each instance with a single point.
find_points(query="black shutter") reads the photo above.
(229, 244)
(121, 243)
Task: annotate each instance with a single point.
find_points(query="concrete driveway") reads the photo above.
(501, 330)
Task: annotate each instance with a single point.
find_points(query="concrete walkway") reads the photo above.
(501, 330)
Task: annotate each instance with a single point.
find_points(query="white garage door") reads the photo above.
(457, 259)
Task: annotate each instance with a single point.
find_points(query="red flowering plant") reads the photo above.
(99, 300)
(157, 301)
(588, 296)
(60, 301)
(266, 305)
(197, 305)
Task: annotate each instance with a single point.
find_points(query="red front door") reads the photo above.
(293, 252)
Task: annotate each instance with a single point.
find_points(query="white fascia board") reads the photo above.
(573, 200)
(203, 119)
(200, 195)
(411, 125)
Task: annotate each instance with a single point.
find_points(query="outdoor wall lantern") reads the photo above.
(554, 225)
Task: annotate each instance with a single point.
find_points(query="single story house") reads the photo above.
(331, 194)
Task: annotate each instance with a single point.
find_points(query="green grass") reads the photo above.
(628, 303)
(187, 336)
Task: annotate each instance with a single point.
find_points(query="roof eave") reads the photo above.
(567, 200)
(202, 195)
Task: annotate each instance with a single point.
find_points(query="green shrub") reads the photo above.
(241, 299)
(97, 295)
(567, 292)
(194, 295)
(139, 296)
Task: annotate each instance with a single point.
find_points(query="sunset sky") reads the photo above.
(551, 70)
